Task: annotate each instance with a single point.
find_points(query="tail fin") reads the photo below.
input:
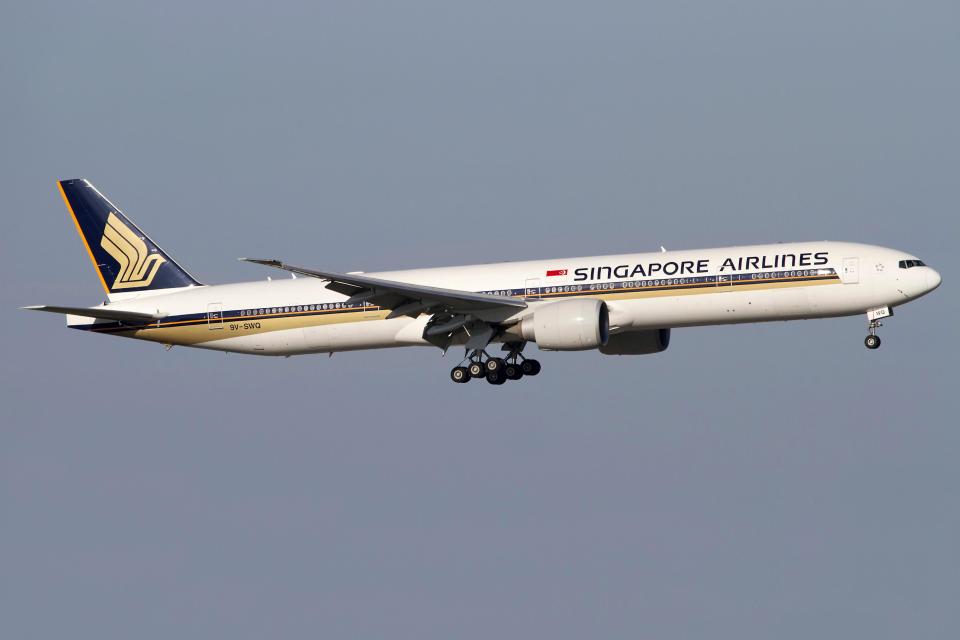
(125, 258)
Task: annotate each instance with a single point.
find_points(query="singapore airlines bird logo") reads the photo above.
(137, 265)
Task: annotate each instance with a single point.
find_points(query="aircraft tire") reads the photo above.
(460, 375)
(530, 367)
(495, 364)
(496, 377)
(476, 370)
(512, 371)
(872, 342)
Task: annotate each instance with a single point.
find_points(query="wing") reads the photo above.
(104, 313)
(403, 299)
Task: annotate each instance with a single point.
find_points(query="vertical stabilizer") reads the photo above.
(126, 259)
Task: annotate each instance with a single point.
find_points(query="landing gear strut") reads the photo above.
(478, 364)
(872, 341)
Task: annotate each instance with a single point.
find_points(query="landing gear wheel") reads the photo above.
(495, 365)
(872, 341)
(512, 371)
(530, 367)
(496, 377)
(460, 375)
(475, 370)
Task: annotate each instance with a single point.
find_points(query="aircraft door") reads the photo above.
(851, 271)
(215, 316)
(531, 289)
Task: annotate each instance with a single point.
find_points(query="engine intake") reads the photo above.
(568, 325)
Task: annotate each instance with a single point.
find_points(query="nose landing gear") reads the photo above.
(495, 370)
(872, 341)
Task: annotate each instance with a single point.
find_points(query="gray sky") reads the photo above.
(752, 482)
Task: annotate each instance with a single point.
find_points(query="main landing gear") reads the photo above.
(478, 364)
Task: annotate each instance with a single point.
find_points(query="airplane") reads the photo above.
(616, 304)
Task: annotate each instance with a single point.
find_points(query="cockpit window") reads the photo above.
(909, 264)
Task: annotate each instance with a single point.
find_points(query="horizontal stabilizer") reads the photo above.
(103, 313)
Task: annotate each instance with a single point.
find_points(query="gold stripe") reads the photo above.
(133, 246)
(196, 331)
(703, 287)
(131, 253)
(82, 237)
(117, 253)
(613, 295)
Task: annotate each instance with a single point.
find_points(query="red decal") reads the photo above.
(556, 272)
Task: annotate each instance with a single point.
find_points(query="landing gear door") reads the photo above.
(850, 274)
(215, 316)
(531, 290)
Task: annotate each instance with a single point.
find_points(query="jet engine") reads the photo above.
(568, 325)
(637, 343)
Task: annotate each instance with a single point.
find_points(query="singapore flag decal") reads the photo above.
(556, 272)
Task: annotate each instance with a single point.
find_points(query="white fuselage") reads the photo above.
(642, 291)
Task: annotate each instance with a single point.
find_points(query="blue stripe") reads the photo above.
(717, 282)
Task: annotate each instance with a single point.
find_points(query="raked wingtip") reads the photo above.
(263, 261)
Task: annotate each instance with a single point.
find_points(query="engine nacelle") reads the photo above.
(637, 343)
(568, 325)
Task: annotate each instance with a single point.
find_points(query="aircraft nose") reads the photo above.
(933, 279)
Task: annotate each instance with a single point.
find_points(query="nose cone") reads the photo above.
(933, 279)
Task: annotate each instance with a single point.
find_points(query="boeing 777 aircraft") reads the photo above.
(618, 305)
